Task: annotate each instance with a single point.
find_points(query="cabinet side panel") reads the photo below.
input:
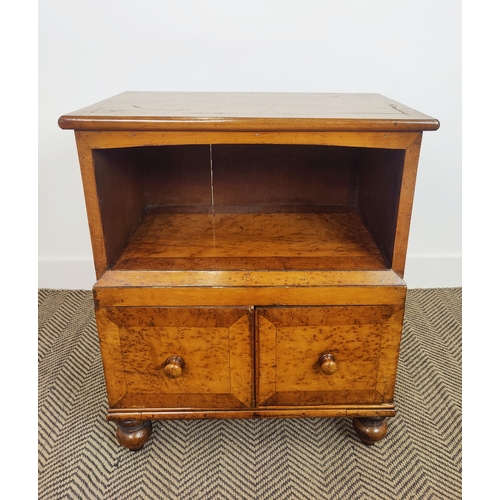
(405, 208)
(92, 205)
(120, 188)
(380, 177)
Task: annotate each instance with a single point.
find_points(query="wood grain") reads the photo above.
(390, 342)
(94, 216)
(177, 175)
(120, 187)
(324, 411)
(250, 241)
(270, 235)
(114, 139)
(112, 360)
(241, 360)
(379, 187)
(219, 279)
(136, 344)
(284, 175)
(292, 341)
(405, 207)
(242, 296)
(247, 111)
(266, 336)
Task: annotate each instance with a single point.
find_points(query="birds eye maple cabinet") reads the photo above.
(249, 250)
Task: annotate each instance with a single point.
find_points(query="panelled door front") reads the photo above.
(178, 357)
(327, 355)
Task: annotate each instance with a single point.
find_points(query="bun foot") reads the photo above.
(370, 430)
(133, 434)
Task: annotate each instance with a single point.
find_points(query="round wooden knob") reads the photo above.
(327, 363)
(173, 368)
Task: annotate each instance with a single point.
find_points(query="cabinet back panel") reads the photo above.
(283, 175)
(178, 175)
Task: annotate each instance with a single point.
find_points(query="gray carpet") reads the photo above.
(420, 458)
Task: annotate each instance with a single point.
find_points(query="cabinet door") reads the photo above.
(360, 345)
(207, 350)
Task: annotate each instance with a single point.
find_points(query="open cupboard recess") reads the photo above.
(235, 207)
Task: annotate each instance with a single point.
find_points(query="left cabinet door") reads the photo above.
(176, 357)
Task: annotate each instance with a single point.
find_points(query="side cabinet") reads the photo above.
(249, 251)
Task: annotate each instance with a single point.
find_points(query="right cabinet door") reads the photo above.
(327, 355)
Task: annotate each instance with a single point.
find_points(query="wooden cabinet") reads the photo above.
(249, 253)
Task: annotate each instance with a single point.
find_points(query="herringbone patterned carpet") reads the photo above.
(420, 458)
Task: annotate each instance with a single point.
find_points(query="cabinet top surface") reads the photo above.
(248, 111)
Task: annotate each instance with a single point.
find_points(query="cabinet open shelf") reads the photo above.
(248, 207)
(250, 241)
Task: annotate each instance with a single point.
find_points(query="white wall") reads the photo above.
(409, 51)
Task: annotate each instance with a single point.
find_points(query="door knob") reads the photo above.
(328, 364)
(174, 366)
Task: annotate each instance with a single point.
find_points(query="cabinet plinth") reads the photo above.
(249, 253)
